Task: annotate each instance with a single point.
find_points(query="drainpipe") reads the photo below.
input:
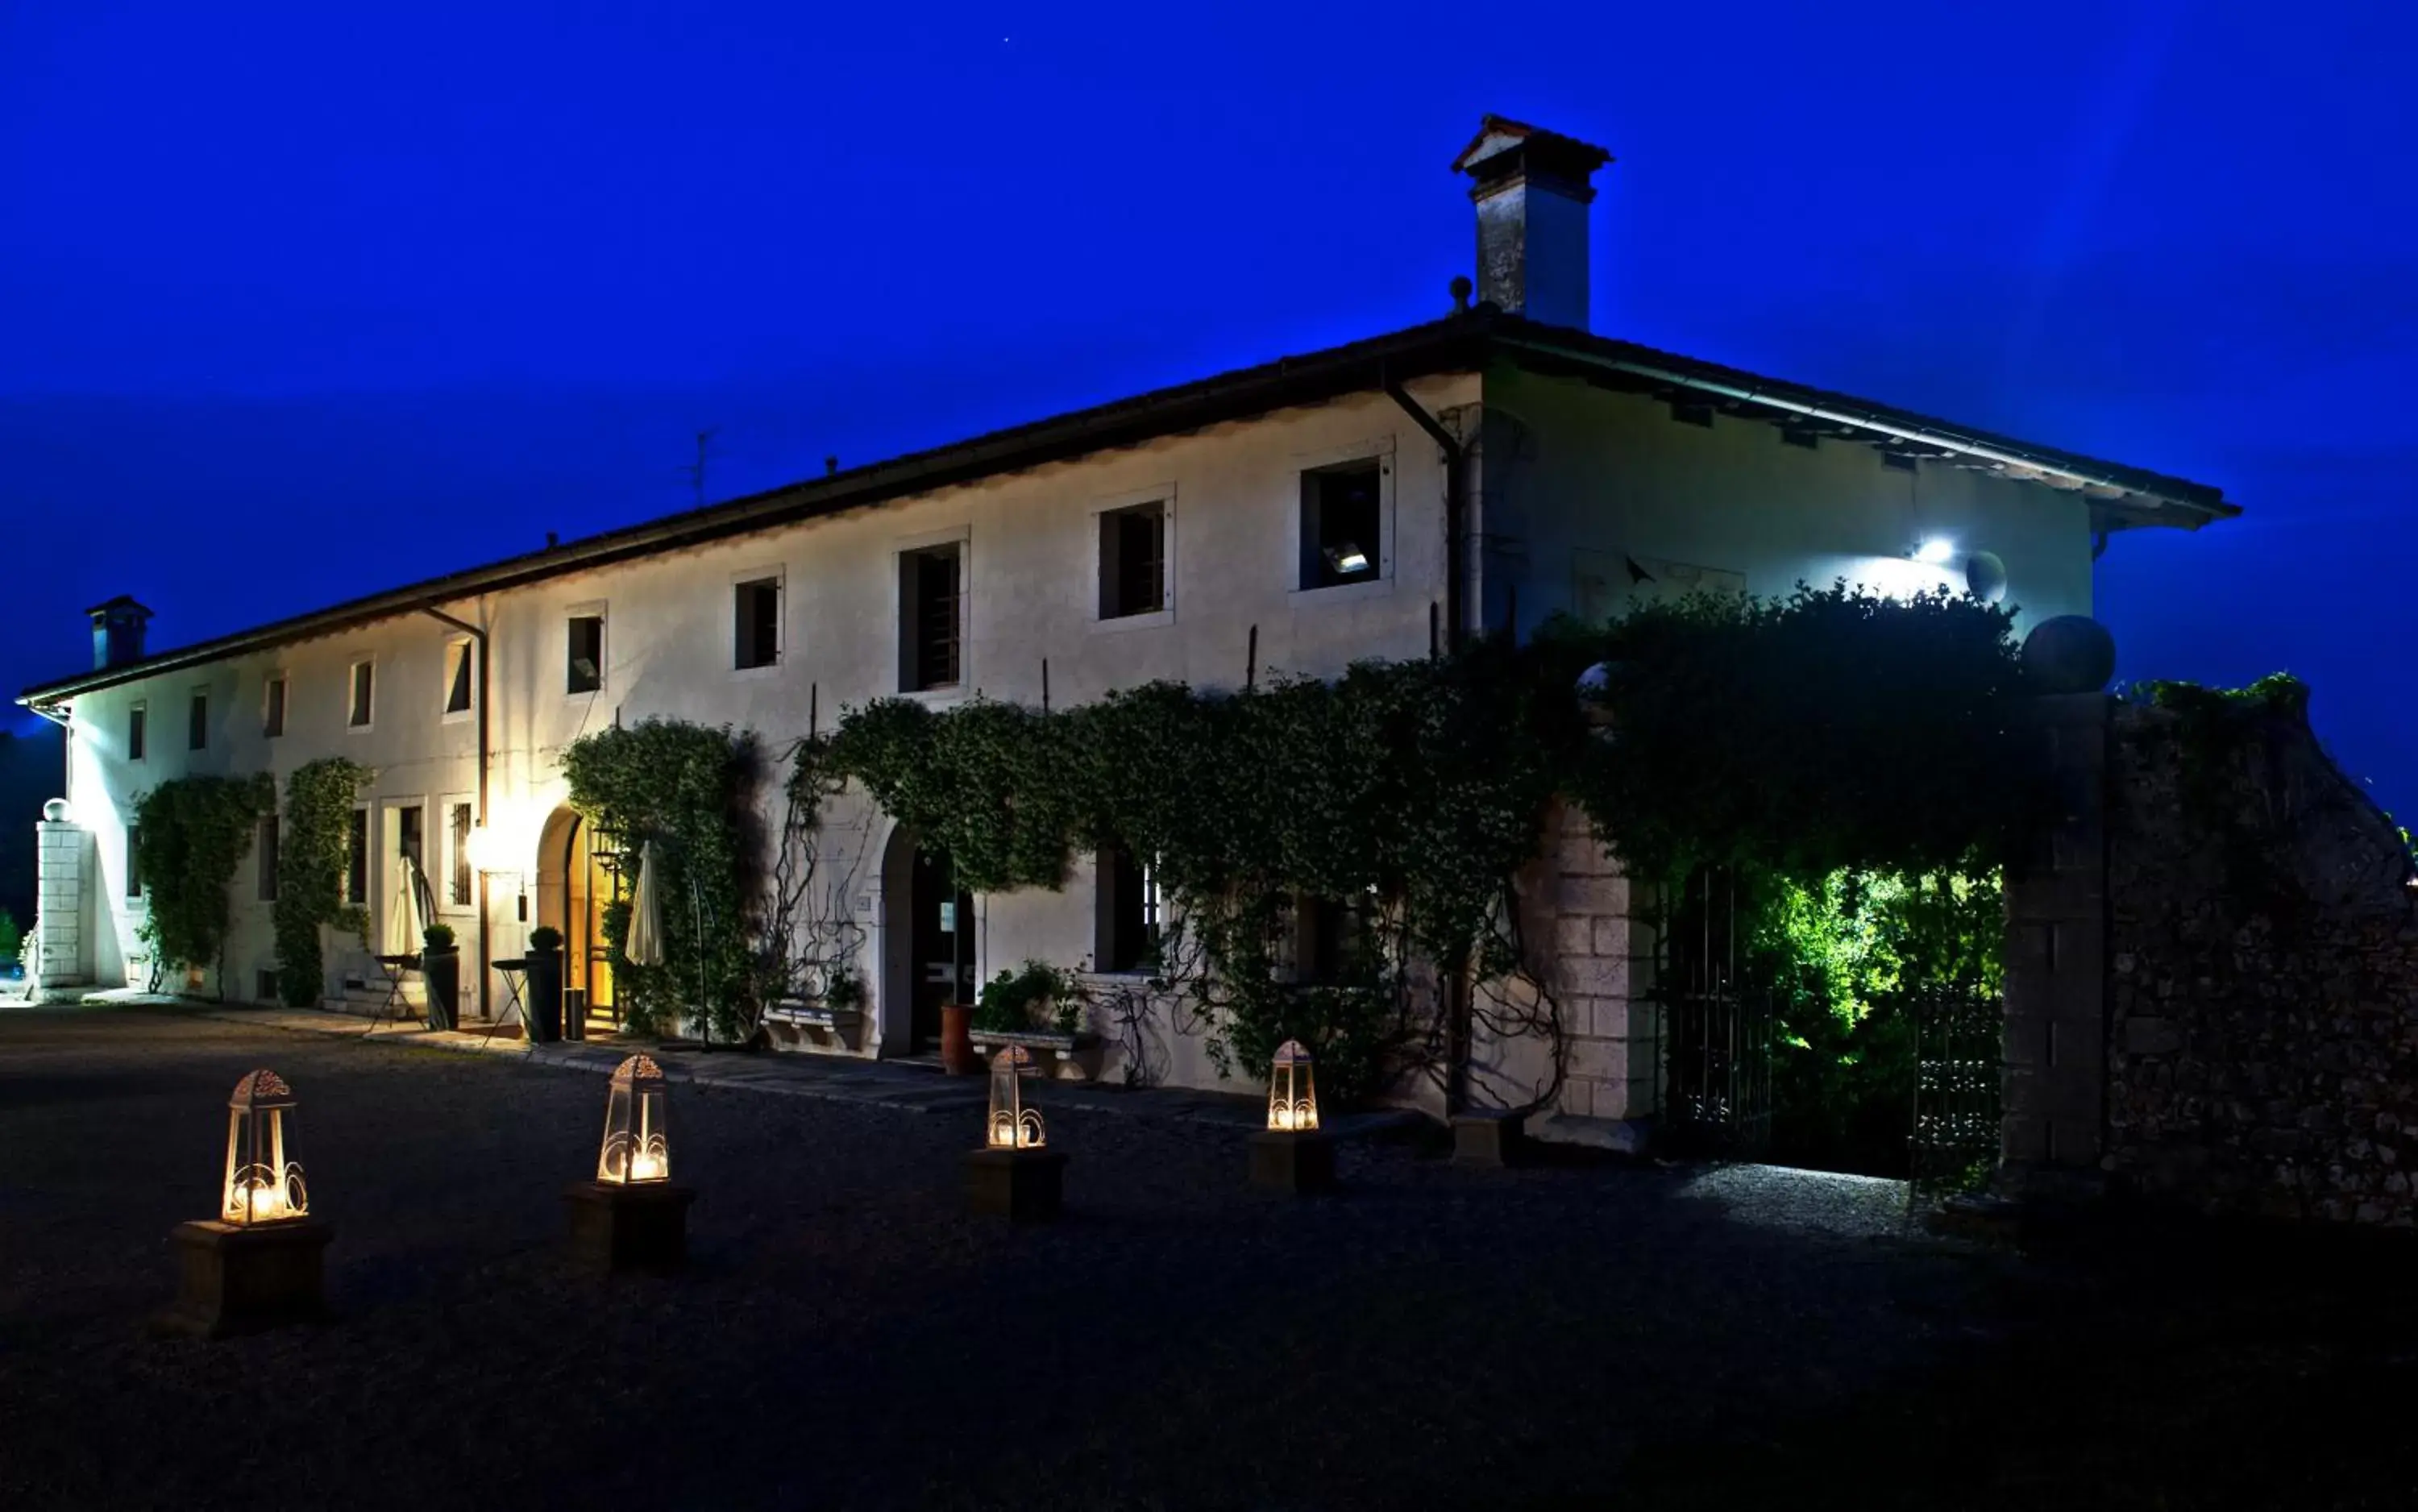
(1455, 980)
(1456, 503)
(480, 636)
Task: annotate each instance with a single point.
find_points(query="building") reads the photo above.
(1494, 467)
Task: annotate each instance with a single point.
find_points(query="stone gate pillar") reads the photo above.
(2053, 1110)
(62, 876)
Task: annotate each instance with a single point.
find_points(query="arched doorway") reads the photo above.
(928, 940)
(576, 882)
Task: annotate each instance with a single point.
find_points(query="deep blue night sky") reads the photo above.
(302, 300)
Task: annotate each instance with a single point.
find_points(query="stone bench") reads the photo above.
(1074, 1056)
(814, 1026)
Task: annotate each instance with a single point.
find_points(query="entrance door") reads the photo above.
(940, 950)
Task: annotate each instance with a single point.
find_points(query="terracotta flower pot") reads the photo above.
(957, 1056)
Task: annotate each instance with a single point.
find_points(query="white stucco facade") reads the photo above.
(1573, 489)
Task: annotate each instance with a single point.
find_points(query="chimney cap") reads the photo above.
(124, 601)
(1503, 146)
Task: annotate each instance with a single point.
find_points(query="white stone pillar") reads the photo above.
(63, 878)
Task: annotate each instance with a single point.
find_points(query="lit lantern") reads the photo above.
(634, 1146)
(1013, 1125)
(1293, 1095)
(262, 1185)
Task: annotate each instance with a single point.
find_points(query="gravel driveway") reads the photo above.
(848, 1338)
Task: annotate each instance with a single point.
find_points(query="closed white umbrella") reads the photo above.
(404, 922)
(645, 946)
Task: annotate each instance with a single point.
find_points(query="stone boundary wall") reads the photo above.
(2262, 1026)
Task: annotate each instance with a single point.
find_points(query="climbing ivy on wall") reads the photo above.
(1829, 728)
(686, 788)
(311, 866)
(190, 834)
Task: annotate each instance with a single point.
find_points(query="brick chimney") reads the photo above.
(117, 632)
(1533, 188)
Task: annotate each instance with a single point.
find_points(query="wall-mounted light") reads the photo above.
(488, 850)
(1936, 550)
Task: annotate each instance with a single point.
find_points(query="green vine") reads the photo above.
(311, 866)
(1378, 821)
(2214, 730)
(685, 787)
(192, 834)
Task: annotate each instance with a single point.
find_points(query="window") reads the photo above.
(272, 713)
(265, 846)
(1133, 560)
(757, 634)
(135, 861)
(356, 714)
(197, 723)
(457, 829)
(583, 671)
(930, 600)
(135, 731)
(1128, 913)
(1341, 514)
(1325, 939)
(457, 676)
(357, 858)
(407, 835)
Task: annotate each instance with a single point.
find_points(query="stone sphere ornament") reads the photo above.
(2070, 653)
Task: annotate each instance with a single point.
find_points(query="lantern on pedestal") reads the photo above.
(1292, 1094)
(636, 1147)
(632, 1217)
(1013, 1125)
(1291, 1153)
(1013, 1175)
(259, 1262)
(262, 1185)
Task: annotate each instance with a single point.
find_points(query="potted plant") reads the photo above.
(440, 968)
(544, 985)
(957, 1056)
(844, 993)
(1034, 997)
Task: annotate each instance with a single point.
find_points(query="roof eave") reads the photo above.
(1454, 344)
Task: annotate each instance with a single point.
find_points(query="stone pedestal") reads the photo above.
(1300, 1161)
(640, 1227)
(1490, 1138)
(237, 1277)
(1015, 1183)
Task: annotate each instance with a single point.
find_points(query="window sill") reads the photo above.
(1343, 592)
(1154, 619)
(753, 674)
(948, 694)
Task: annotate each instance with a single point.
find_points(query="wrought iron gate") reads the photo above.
(1958, 1046)
(1717, 1041)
